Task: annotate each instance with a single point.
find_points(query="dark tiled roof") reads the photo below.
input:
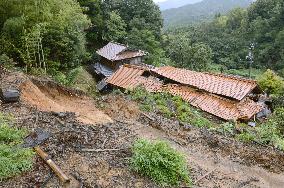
(233, 87)
(102, 69)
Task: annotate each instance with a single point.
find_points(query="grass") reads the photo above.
(158, 161)
(267, 133)
(13, 158)
(270, 132)
(169, 106)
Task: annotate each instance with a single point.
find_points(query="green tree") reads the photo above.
(271, 83)
(37, 32)
(115, 28)
(200, 56)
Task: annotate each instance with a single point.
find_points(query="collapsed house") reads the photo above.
(227, 97)
(113, 55)
(132, 76)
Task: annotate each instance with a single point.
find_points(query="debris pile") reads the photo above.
(49, 96)
(98, 155)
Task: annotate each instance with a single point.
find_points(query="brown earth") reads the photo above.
(227, 162)
(47, 96)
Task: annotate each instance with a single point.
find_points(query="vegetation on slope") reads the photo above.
(199, 12)
(13, 158)
(169, 106)
(160, 162)
(230, 36)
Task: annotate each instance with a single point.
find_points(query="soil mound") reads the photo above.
(51, 97)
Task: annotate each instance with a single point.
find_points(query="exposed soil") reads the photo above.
(227, 162)
(48, 96)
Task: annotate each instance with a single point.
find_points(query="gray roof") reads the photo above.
(102, 69)
(115, 51)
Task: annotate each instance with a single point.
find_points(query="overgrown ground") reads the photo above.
(226, 161)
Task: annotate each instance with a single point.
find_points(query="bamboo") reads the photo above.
(63, 178)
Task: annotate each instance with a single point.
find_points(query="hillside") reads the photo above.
(175, 3)
(201, 11)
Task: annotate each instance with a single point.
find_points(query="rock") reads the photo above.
(10, 95)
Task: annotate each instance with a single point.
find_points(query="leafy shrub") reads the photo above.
(13, 158)
(169, 106)
(268, 133)
(6, 62)
(271, 83)
(160, 162)
(36, 71)
(278, 119)
(246, 137)
(164, 110)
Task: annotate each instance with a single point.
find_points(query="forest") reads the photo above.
(40, 36)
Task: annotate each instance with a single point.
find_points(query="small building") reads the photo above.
(113, 55)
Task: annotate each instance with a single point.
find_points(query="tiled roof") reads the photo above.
(129, 55)
(102, 69)
(130, 76)
(115, 52)
(111, 50)
(229, 86)
(218, 106)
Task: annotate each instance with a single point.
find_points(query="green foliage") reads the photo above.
(199, 12)
(229, 36)
(80, 79)
(69, 78)
(226, 129)
(169, 106)
(200, 56)
(185, 53)
(271, 83)
(246, 137)
(268, 133)
(13, 159)
(255, 73)
(160, 162)
(6, 62)
(35, 32)
(11, 135)
(115, 28)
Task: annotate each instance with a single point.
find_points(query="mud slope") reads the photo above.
(50, 97)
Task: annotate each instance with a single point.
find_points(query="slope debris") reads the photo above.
(47, 96)
(98, 156)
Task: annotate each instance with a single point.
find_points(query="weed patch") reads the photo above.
(13, 158)
(160, 162)
(169, 106)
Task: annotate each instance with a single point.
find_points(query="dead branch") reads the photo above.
(205, 175)
(149, 117)
(101, 150)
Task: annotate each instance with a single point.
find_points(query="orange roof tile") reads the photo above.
(130, 76)
(228, 86)
(218, 106)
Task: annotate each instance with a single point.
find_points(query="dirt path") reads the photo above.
(225, 172)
